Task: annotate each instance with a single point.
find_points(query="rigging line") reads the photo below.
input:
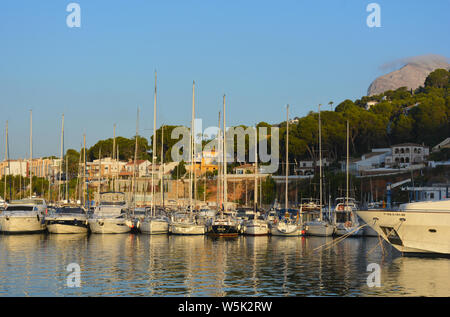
(380, 243)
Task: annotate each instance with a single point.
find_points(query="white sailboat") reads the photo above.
(225, 222)
(154, 223)
(185, 223)
(256, 224)
(319, 227)
(345, 218)
(286, 227)
(415, 228)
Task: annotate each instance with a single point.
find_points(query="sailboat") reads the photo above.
(225, 223)
(345, 217)
(287, 226)
(185, 223)
(256, 224)
(319, 227)
(154, 223)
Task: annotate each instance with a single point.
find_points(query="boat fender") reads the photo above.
(38, 219)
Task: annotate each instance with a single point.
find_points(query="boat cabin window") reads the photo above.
(19, 208)
(343, 217)
(70, 210)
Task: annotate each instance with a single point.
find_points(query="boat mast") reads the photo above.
(192, 147)
(31, 153)
(135, 157)
(320, 165)
(256, 172)
(85, 186)
(7, 160)
(114, 156)
(346, 195)
(99, 174)
(287, 158)
(154, 150)
(61, 159)
(219, 168)
(161, 168)
(225, 184)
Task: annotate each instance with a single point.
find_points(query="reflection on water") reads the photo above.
(163, 265)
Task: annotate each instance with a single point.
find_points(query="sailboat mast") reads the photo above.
(31, 153)
(320, 164)
(287, 158)
(135, 158)
(225, 185)
(114, 156)
(192, 146)
(161, 168)
(346, 197)
(61, 159)
(154, 150)
(256, 172)
(85, 187)
(6, 159)
(219, 168)
(99, 174)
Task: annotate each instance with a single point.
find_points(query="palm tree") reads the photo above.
(331, 105)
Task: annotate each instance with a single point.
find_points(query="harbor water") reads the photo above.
(166, 265)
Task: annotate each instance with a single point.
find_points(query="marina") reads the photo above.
(169, 265)
(225, 150)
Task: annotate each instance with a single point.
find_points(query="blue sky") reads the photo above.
(261, 54)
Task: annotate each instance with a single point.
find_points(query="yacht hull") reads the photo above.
(414, 232)
(154, 226)
(26, 224)
(284, 230)
(256, 230)
(110, 225)
(187, 229)
(319, 229)
(224, 230)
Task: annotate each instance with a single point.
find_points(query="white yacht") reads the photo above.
(111, 214)
(24, 216)
(418, 227)
(67, 219)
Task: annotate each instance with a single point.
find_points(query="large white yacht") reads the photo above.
(67, 219)
(24, 216)
(111, 214)
(418, 227)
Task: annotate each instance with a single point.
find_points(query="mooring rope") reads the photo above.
(380, 243)
(341, 238)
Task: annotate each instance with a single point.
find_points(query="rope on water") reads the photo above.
(332, 243)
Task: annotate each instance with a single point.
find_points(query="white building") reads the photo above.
(407, 154)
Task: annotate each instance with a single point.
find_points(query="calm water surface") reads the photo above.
(134, 265)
